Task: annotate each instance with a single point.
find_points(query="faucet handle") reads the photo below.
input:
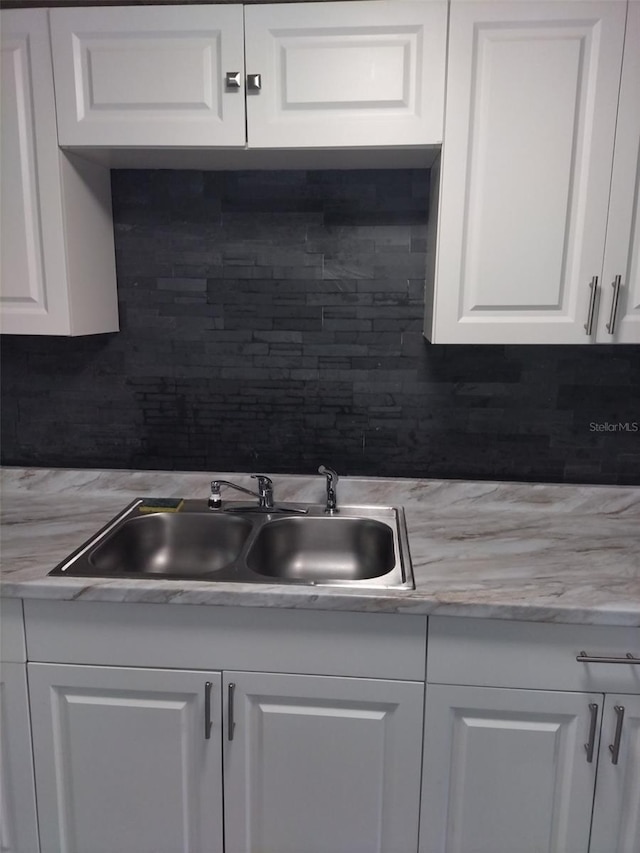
(265, 490)
(264, 482)
(215, 498)
(330, 474)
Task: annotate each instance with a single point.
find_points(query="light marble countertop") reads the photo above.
(536, 552)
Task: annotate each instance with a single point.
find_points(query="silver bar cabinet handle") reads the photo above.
(232, 79)
(254, 82)
(590, 745)
(614, 748)
(615, 284)
(230, 721)
(592, 304)
(207, 710)
(583, 657)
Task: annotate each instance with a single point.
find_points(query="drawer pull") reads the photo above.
(231, 724)
(583, 657)
(207, 710)
(614, 748)
(590, 745)
(611, 325)
(593, 286)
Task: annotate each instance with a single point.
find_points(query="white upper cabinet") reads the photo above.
(58, 265)
(149, 76)
(532, 97)
(346, 74)
(316, 75)
(619, 314)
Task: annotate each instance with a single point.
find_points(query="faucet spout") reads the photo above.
(264, 493)
(332, 493)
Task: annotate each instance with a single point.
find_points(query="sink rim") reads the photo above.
(400, 577)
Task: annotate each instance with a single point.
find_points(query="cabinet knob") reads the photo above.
(254, 82)
(232, 79)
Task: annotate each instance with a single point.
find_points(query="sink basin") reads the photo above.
(167, 543)
(323, 549)
(359, 547)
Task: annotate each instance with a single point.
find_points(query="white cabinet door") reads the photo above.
(616, 815)
(56, 228)
(150, 77)
(321, 765)
(122, 762)
(18, 823)
(346, 74)
(532, 93)
(619, 315)
(506, 770)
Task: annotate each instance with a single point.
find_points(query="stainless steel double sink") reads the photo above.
(359, 547)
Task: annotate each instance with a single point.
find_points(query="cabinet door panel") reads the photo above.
(506, 770)
(616, 815)
(622, 257)
(121, 760)
(34, 300)
(342, 74)
(18, 825)
(322, 765)
(530, 124)
(153, 77)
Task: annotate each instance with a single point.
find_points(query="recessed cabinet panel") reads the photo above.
(321, 765)
(121, 760)
(531, 112)
(127, 77)
(21, 228)
(340, 74)
(512, 771)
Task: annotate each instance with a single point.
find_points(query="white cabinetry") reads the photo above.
(321, 765)
(58, 267)
(122, 761)
(148, 76)
(18, 826)
(324, 758)
(532, 100)
(318, 75)
(619, 314)
(616, 815)
(515, 750)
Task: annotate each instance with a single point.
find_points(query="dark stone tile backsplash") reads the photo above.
(272, 321)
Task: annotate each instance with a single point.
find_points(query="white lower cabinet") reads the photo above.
(616, 815)
(122, 761)
(532, 744)
(147, 718)
(18, 828)
(321, 765)
(512, 772)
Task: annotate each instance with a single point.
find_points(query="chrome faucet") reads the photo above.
(332, 494)
(264, 493)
